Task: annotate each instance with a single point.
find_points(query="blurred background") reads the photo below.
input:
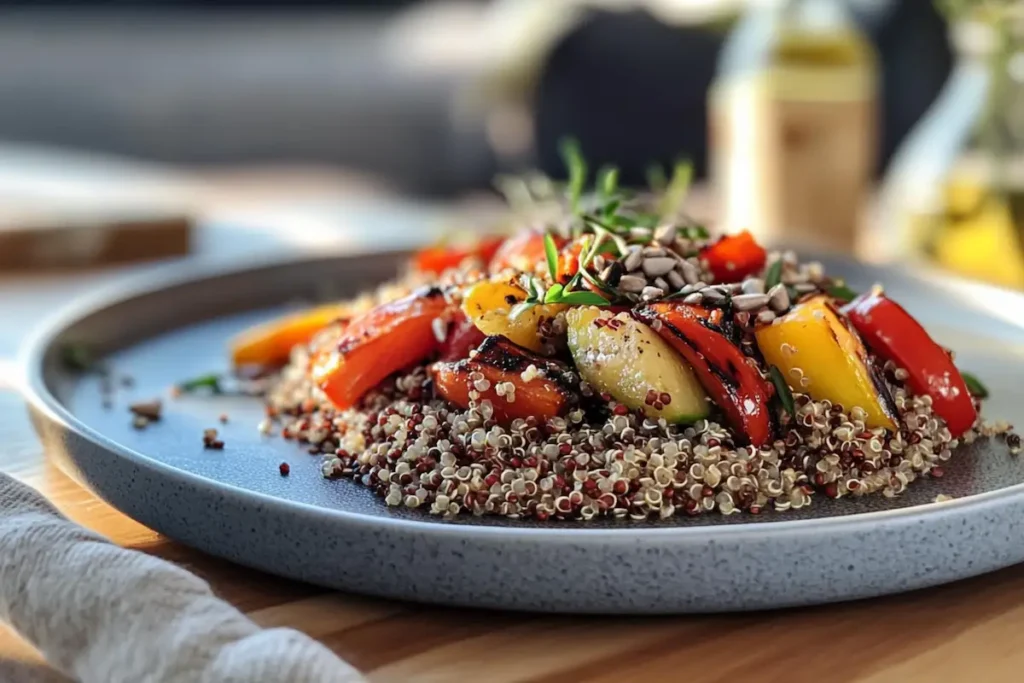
(140, 129)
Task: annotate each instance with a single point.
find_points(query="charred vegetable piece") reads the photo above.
(620, 356)
(271, 343)
(545, 391)
(894, 335)
(463, 337)
(818, 355)
(378, 343)
(489, 305)
(438, 259)
(522, 252)
(731, 379)
(734, 257)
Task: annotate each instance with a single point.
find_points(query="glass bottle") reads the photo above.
(793, 124)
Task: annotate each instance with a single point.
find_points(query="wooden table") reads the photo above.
(968, 629)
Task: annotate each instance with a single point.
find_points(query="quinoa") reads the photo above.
(419, 452)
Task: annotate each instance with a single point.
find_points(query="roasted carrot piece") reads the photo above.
(271, 343)
(548, 393)
(438, 259)
(378, 343)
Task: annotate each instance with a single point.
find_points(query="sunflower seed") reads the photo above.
(655, 266)
(632, 283)
(666, 234)
(650, 293)
(804, 287)
(633, 259)
(661, 284)
(599, 263)
(675, 280)
(640, 234)
(749, 302)
(694, 298)
(778, 298)
(689, 272)
(713, 295)
(753, 285)
(654, 252)
(765, 316)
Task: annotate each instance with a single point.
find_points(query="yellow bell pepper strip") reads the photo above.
(894, 335)
(821, 357)
(489, 305)
(271, 343)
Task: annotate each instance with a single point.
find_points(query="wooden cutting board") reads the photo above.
(62, 210)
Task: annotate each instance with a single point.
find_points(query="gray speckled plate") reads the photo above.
(233, 503)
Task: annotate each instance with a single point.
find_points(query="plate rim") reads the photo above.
(31, 384)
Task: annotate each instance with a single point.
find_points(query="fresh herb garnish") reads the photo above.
(77, 358)
(210, 381)
(608, 181)
(678, 188)
(782, 390)
(974, 385)
(577, 166)
(583, 299)
(839, 290)
(551, 252)
(656, 179)
(554, 294)
(774, 274)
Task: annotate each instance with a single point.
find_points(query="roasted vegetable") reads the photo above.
(734, 257)
(438, 259)
(517, 383)
(731, 379)
(489, 304)
(820, 356)
(522, 251)
(463, 336)
(378, 343)
(271, 343)
(569, 264)
(620, 356)
(894, 335)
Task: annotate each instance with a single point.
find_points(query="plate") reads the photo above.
(235, 504)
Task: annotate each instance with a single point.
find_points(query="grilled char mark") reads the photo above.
(501, 353)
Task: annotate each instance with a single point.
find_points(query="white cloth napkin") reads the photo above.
(103, 614)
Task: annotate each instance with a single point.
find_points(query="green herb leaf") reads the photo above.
(782, 390)
(839, 290)
(583, 299)
(609, 209)
(678, 188)
(656, 179)
(774, 274)
(554, 294)
(551, 251)
(77, 358)
(695, 232)
(577, 168)
(521, 306)
(210, 381)
(608, 180)
(974, 385)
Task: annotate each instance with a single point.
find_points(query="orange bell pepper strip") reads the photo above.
(731, 379)
(377, 343)
(734, 257)
(550, 394)
(522, 251)
(438, 259)
(270, 344)
(894, 335)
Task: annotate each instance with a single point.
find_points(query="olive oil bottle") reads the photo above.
(793, 119)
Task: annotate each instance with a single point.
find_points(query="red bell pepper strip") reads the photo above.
(463, 337)
(894, 335)
(522, 251)
(377, 343)
(438, 259)
(734, 257)
(732, 379)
